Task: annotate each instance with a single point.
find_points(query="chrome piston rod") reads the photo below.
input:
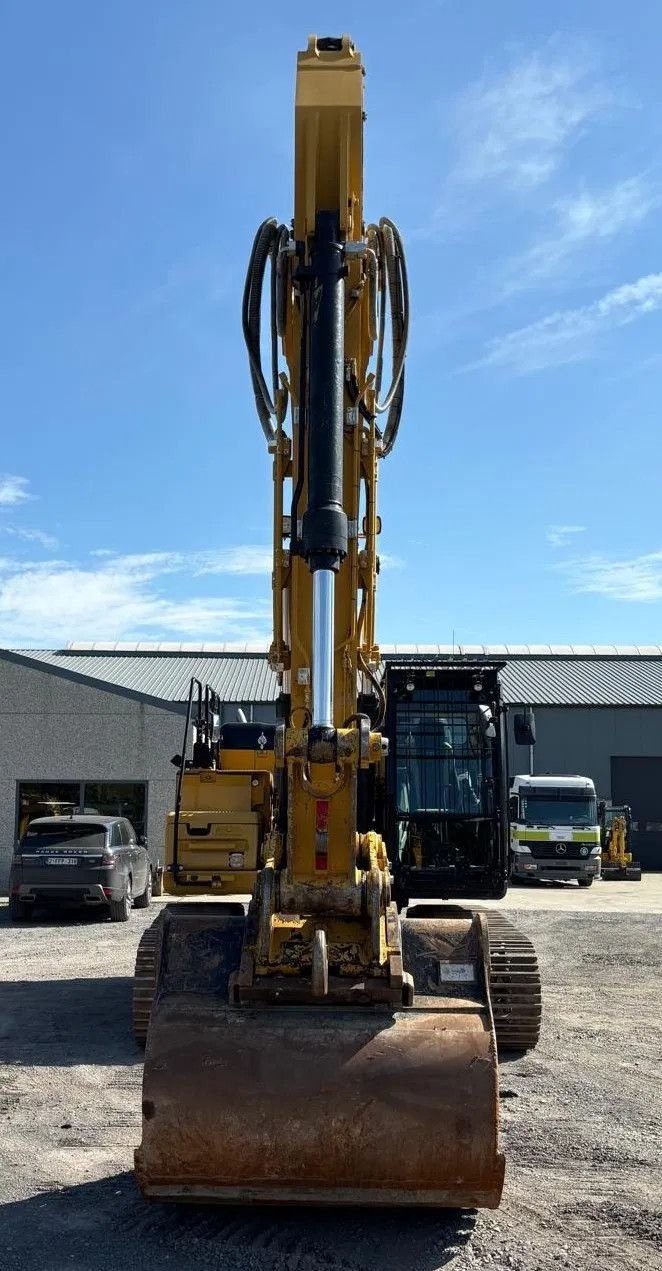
(323, 626)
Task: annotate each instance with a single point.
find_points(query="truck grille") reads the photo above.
(547, 851)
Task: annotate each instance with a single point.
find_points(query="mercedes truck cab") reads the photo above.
(554, 829)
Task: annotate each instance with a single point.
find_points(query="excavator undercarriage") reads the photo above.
(321, 1047)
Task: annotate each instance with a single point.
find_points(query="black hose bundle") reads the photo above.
(387, 278)
(267, 245)
(393, 282)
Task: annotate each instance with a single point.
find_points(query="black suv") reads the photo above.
(91, 860)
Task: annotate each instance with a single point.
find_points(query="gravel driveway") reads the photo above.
(582, 1115)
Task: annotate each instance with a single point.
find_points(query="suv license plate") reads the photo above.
(62, 860)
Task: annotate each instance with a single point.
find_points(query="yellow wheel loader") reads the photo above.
(322, 1048)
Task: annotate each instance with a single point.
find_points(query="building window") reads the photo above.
(45, 798)
(119, 798)
(107, 798)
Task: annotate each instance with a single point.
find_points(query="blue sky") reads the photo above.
(516, 145)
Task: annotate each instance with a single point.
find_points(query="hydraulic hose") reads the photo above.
(393, 280)
(387, 269)
(381, 696)
(266, 247)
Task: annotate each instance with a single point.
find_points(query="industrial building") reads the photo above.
(96, 725)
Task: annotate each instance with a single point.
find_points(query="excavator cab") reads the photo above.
(446, 800)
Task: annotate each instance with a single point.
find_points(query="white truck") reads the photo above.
(554, 828)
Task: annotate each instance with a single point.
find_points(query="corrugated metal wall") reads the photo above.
(584, 740)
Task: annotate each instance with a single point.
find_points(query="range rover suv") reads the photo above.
(84, 859)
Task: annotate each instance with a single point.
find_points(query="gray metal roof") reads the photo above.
(236, 677)
(489, 650)
(594, 675)
(588, 681)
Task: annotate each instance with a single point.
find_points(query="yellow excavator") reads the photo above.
(321, 1048)
(617, 861)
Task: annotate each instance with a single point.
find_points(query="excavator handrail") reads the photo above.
(209, 703)
(182, 767)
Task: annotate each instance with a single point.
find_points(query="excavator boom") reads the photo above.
(321, 1048)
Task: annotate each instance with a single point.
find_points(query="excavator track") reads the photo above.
(514, 985)
(148, 959)
(145, 977)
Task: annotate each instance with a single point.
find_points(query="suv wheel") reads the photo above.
(120, 909)
(143, 902)
(585, 882)
(19, 910)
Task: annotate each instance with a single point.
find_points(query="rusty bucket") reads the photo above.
(320, 1105)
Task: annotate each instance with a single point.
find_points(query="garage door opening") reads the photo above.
(637, 781)
(58, 798)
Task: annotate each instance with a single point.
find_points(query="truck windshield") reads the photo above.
(550, 809)
(444, 764)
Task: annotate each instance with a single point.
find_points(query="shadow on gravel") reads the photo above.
(62, 1022)
(550, 884)
(58, 916)
(106, 1226)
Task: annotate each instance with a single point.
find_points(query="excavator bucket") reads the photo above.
(356, 1105)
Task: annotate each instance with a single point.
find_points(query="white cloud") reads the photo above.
(121, 597)
(638, 579)
(602, 215)
(29, 536)
(236, 560)
(561, 535)
(582, 221)
(13, 490)
(388, 561)
(249, 560)
(514, 127)
(129, 597)
(570, 335)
